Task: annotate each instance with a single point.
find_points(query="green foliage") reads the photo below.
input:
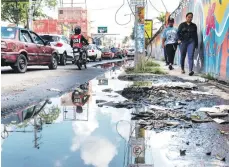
(11, 13)
(147, 66)
(208, 76)
(152, 64)
(161, 18)
(142, 84)
(51, 116)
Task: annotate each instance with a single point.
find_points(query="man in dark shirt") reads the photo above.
(188, 40)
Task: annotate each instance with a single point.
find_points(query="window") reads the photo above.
(25, 36)
(61, 12)
(65, 40)
(36, 38)
(8, 32)
(50, 38)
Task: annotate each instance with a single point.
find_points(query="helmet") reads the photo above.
(78, 30)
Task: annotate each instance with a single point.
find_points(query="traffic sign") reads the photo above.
(102, 29)
(137, 146)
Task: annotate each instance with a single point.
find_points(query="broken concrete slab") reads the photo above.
(181, 85)
(201, 93)
(220, 121)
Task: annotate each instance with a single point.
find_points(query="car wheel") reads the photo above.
(95, 58)
(21, 65)
(63, 59)
(54, 63)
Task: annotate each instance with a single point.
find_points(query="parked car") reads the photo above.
(94, 52)
(21, 48)
(118, 53)
(62, 45)
(130, 52)
(107, 54)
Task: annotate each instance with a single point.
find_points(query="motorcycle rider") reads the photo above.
(77, 40)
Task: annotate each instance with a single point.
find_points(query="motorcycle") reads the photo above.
(80, 57)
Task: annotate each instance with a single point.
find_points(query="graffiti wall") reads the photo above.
(212, 19)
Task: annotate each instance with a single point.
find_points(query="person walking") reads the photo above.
(169, 42)
(188, 42)
(164, 50)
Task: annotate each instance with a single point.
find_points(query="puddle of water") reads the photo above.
(75, 129)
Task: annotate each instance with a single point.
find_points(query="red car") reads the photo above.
(107, 54)
(21, 48)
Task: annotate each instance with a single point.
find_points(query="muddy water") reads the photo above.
(81, 128)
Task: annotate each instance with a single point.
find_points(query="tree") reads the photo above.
(19, 13)
(132, 34)
(161, 18)
(125, 40)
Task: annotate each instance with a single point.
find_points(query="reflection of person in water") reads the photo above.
(79, 109)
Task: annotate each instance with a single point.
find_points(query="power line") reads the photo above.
(164, 5)
(117, 13)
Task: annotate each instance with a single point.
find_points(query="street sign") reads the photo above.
(148, 28)
(137, 146)
(102, 29)
(137, 3)
(141, 165)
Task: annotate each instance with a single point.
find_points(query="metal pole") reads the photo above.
(17, 17)
(139, 37)
(30, 14)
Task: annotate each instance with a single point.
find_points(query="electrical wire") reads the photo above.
(164, 5)
(117, 13)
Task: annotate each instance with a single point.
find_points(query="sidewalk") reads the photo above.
(208, 86)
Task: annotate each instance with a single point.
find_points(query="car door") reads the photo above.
(29, 46)
(45, 52)
(67, 46)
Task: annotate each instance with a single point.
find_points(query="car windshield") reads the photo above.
(91, 47)
(8, 32)
(50, 38)
(106, 50)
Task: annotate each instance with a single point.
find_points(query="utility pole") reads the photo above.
(139, 34)
(30, 15)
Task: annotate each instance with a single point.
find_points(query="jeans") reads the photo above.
(171, 50)
(187, 46)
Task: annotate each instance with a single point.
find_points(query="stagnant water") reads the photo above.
(86, 128)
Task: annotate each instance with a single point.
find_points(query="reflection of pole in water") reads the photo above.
(37, 128)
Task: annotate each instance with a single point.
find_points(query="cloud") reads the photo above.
(98, 151)
(82, 130)
(58, 163)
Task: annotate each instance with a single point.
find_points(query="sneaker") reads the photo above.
(171, 67)
(191, 73)
(182, 72)
(166, 64)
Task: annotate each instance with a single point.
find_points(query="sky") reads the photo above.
(102, 13)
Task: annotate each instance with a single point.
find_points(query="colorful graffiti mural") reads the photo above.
(212, 19)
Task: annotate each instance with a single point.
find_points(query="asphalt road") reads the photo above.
(22, 90)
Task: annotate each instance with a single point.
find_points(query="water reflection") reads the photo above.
(75, 131)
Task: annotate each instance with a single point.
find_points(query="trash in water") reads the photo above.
(55, 90)
(201, 93)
